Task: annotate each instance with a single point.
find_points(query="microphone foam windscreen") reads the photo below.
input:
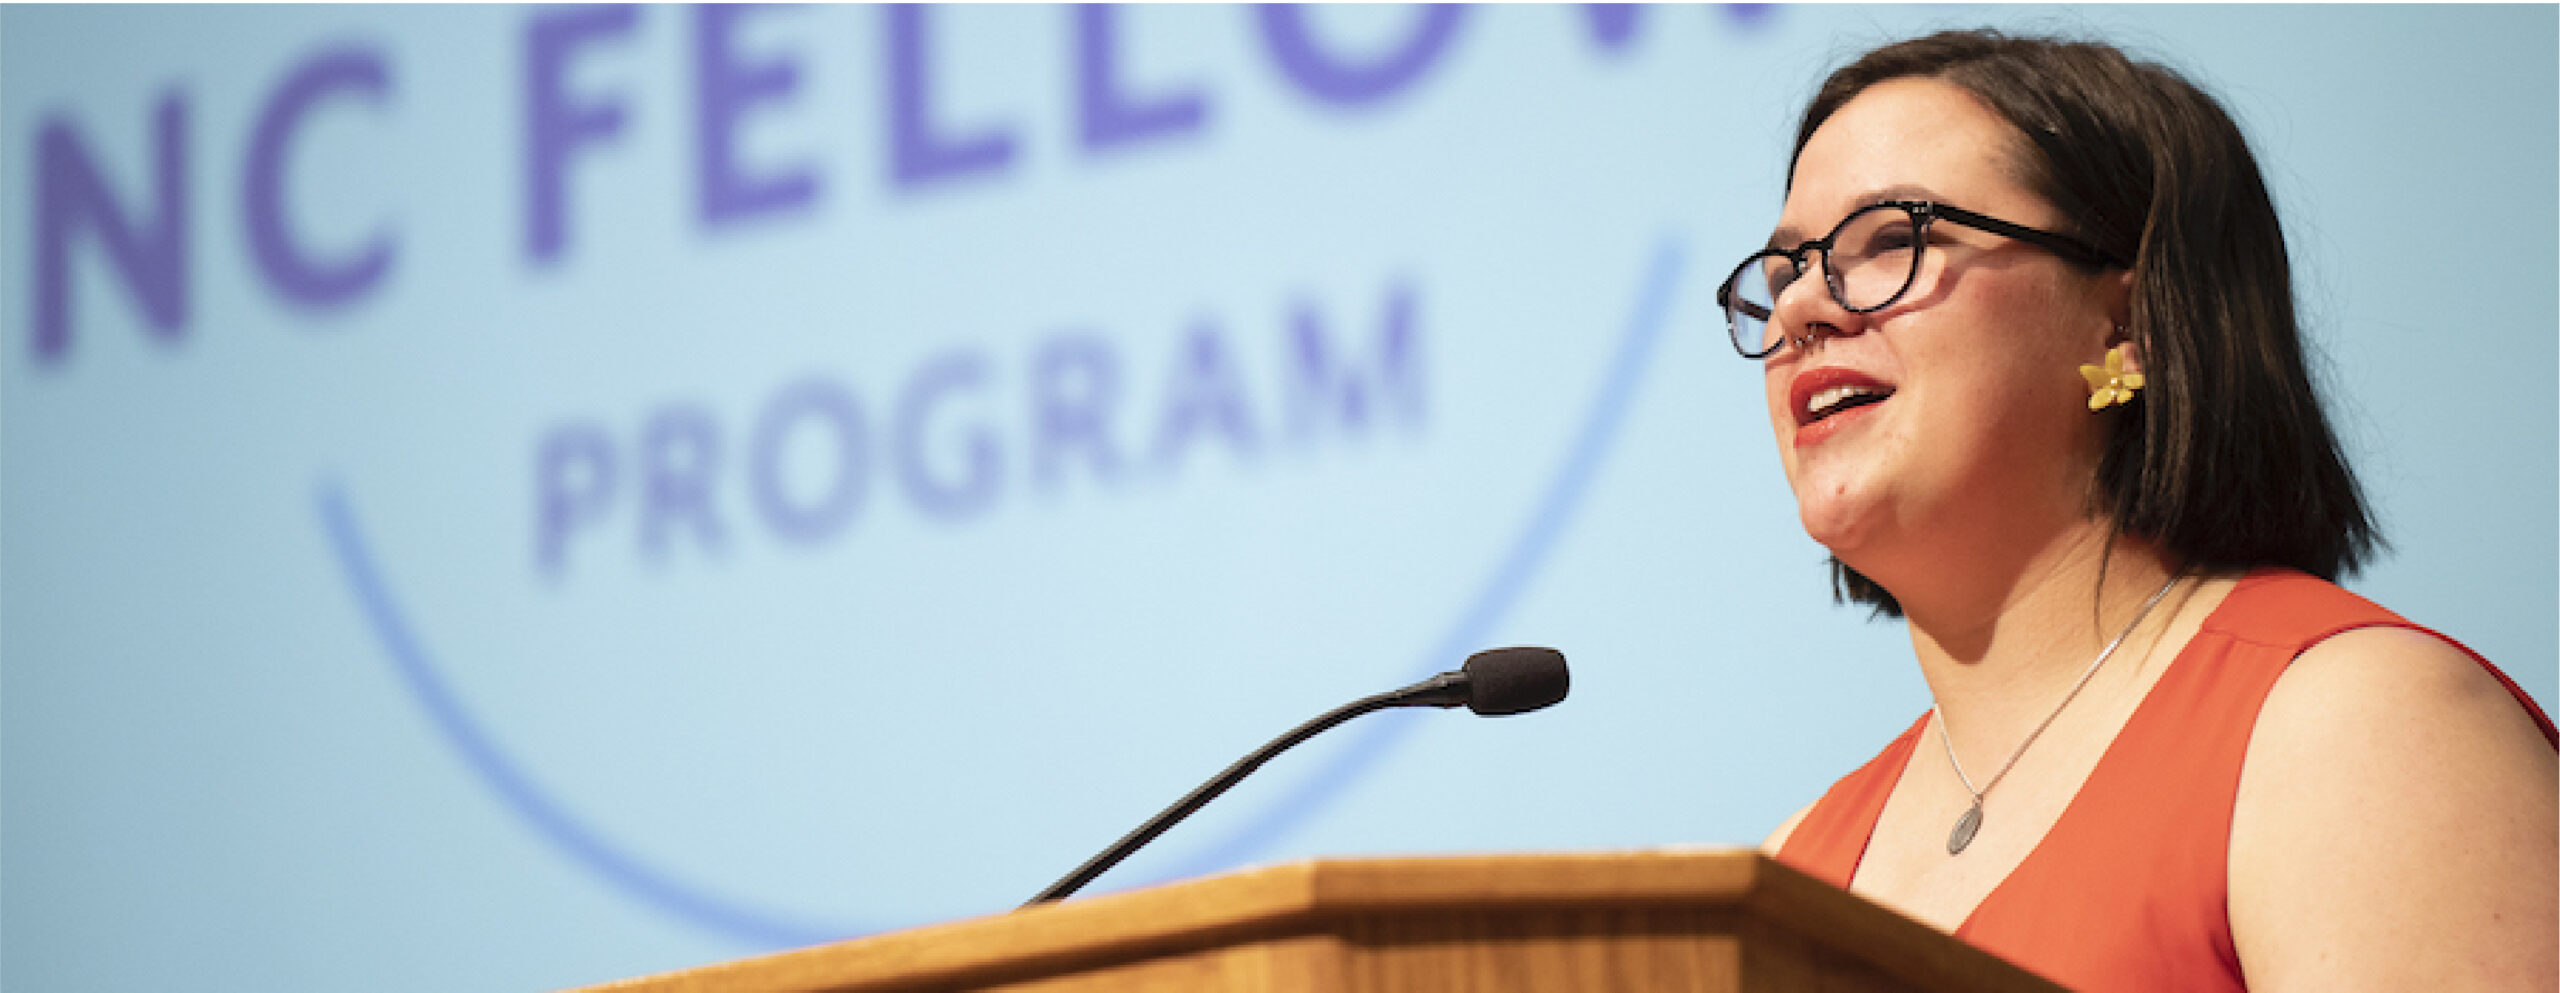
(1514, 680)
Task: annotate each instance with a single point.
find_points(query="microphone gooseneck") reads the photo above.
(1493, 683)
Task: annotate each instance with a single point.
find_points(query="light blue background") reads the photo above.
(213, 772)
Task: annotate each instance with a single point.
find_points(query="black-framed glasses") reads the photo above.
(1868, 261)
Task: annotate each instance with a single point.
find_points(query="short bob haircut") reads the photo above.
(2224, 460)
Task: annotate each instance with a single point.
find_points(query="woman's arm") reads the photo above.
(2398, 826)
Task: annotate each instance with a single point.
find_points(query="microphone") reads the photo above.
(1496, 682)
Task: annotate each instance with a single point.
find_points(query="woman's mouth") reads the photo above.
(1840, 398)
(1828, 399)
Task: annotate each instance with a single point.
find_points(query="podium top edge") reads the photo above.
(1256, 899)
(1307, 896)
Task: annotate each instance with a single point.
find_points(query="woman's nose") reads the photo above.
(1806, 312)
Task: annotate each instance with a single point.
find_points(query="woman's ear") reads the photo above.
(2118, 374)
(2118, 290)
(2118, 293)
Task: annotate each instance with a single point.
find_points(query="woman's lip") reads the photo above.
(1813, 433)
(1801, 391)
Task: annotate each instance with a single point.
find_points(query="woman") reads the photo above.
(2040, 392)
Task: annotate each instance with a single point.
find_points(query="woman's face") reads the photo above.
(1984, 434)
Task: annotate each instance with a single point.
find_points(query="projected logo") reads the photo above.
(831, 465)
(1539, 526)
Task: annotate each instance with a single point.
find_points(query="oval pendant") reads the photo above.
(1965, 828)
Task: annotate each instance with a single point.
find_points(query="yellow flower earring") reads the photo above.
(2111, 385)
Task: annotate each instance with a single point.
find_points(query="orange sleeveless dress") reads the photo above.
(2128, 889)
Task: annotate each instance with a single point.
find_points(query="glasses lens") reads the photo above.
(1873, 256)
(1750, 297)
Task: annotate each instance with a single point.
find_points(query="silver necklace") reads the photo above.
(1971, 822)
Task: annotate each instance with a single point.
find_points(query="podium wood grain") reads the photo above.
(1706, 921)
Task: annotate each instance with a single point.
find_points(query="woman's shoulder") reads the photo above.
(2396, 817)
(2276, 605)
(2401, 689)
(1777, 840)
(2403, 674)
(2336, 642)
(1849, 806)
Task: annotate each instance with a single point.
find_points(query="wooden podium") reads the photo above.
(1691, 921)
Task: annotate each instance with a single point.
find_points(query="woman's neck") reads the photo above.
(2000, 647)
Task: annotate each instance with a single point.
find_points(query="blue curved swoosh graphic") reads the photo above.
(583, 843)
(1566, 486)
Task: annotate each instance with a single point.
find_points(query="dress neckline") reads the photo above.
(1909, 745)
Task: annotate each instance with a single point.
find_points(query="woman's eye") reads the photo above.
(1892, 239)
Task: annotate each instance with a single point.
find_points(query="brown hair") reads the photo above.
(2225, 459)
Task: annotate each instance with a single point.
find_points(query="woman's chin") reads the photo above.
(1839, 532)
(1836, 513)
